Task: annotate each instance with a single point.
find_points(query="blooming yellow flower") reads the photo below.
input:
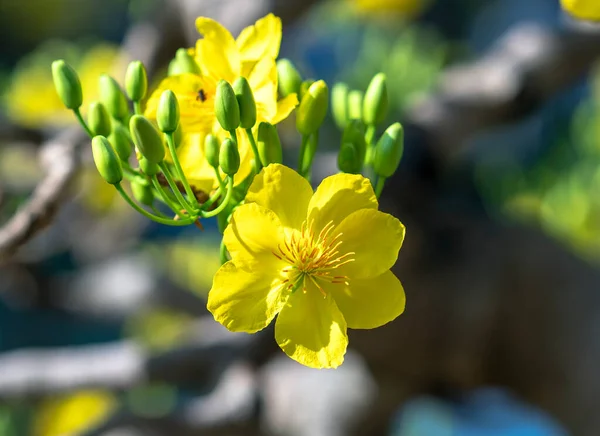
(583, 9)
(221, 57)
(320, 261)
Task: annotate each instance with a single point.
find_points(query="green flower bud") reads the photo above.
(355, 104)
(288, 77)
(354, 133)
(147, 139)
(142, 192)
(148, 168)
(211, 150)
(304, 88)
(246, 102)
(269, 145)
(167, 113)
(67, 84)
(113, 98)
(106, 160)
(136, 81)
(348, 159)
(339, 104)
(375, 104)
(119, 138)
(388, 151)
(229, 157)
(227, 109)
(98, 119)
(313, 108)
(183, 63)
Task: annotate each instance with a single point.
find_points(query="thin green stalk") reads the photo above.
(303, 147)
(223, 204)
(370, 140)
(213, 198)
(223, 253)
(179, 171)
(148, 215)
(257, 162)
(180, 198)
(83, 123)
(137, 107)
(166, 198)
(379, 185)
(234, 137)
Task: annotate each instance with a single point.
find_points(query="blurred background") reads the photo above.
(103, 326)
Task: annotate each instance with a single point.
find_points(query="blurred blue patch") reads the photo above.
(485, 412)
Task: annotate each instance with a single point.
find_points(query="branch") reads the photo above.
(518, 75)
(59, 159)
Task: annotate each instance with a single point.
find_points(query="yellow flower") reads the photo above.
(583, 9)
(320, 261)
(408, 8)
(221, 57)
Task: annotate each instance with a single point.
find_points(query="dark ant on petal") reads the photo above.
(201, 95)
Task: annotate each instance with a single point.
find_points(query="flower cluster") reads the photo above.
(206, 145)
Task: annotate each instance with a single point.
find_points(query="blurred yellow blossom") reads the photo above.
(408, 8)
(583, 9)
(31, 98)
(66, 415)
(320, 261)
(221, 57)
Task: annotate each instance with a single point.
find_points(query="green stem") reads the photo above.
(379, 185)
(257, 162)
(166, 198)
(179, 171)
(369, 138)
(137, 107)
(223, 204)
(148, 215)
(83, 123)
(234, 136)
(213, 198)
(184, 203)
(223, 253)
(303, 147)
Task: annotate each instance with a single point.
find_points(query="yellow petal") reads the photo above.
(285, 107)
(263, 81)
(196, 115)
(584, 9)
(252, 237)
(283, 191)
(260, 40)
(338, 196)
(217, 53)
(195, 167)
(311, 329)
(245, 301)
(369, 303)
(375, 239)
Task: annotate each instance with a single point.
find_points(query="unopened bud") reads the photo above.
(113, 98)
(288, 77)
(354, 133)
(136, 81)
(119, 138)
(375, 104)
(388, 151)
(142, 192)
(167, 113)
(67, 84)
(313, 108)
(147, 139)
(355, 104)
(227, 109)
(211, 150)
(229, 157)
(348, 159)
(339, 104)
(148, 168)
(246, 102)
(183, 63)
(269, 145)
(106, 160)
(98, 119)
(304, 88)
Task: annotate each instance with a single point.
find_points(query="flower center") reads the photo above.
(312, 258)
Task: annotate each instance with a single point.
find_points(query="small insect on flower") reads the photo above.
(201, 96)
